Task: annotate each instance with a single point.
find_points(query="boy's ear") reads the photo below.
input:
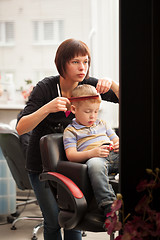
(73, 108)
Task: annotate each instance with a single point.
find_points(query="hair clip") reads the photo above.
(83, 98)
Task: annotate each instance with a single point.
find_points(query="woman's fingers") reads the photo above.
(59, 104)
(103, 85)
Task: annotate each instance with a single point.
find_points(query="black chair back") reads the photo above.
(52, 149)
(14, 155)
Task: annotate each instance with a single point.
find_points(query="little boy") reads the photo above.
(85, 140)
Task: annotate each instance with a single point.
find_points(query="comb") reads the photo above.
(83, 98)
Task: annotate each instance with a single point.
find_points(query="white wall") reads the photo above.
(93, 21)
(104, 42)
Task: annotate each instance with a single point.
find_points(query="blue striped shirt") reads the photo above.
(85, 138)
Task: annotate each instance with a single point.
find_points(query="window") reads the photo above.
(48, 32)
(6, 33)
(7, 78)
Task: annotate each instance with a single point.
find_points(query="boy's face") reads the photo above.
(86, 112)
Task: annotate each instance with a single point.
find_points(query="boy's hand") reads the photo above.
(116, 147)
(101, 151)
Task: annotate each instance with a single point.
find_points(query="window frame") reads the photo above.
(57, 32)
(4, 41)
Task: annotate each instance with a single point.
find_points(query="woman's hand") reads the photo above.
(29, 122)
(58, 104)
(103, 85)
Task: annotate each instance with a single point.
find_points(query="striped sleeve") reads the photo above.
(69, 138)
(110, 132)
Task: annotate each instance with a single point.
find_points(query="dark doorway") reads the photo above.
(139, 93)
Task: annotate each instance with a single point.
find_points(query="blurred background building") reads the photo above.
(31, 31)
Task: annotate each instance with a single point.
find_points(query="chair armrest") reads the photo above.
(78, 173)
(67, 219)
(63, 180)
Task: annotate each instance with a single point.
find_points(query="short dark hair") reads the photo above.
(69, 49)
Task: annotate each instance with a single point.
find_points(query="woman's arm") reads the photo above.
(115, 88)
(29, 122)
(74, 156)
(104, 85)
(107, 87)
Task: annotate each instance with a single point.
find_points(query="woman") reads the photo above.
(46, 112)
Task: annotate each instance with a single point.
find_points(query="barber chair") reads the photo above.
(71, 186)
(12, 150)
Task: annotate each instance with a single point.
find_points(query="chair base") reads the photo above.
(35, 229)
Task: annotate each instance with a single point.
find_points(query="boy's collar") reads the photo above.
(79, 126)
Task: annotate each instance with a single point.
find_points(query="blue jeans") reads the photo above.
(98, 170)
(49, 208)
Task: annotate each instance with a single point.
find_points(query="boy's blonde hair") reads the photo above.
(83, 91)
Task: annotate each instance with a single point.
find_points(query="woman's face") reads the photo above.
(77, 68)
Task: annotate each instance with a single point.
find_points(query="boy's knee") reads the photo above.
(95, 163)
